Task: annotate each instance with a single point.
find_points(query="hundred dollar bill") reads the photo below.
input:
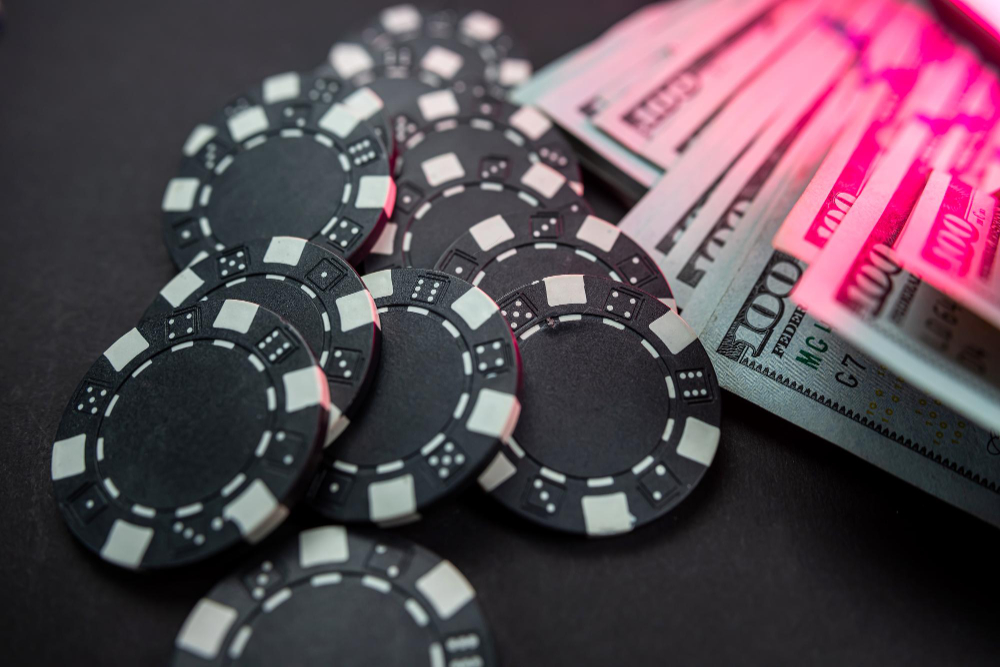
(951, 241)
(849, 165)
(666, 107)
(858, 287)
(660, 218)
(967, 132)
(774, 353)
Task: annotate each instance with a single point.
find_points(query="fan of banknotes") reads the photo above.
(817, 179)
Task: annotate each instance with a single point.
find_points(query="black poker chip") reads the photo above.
(503, 252)
(407, 51)
(464, 172)
(445, 395)
(312, 288)
(621, 408)
(332, 596)
(193, 432)
(293, 156)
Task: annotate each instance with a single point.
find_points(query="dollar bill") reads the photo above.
(967, 131)
(774, 353)
(859, 288)
(951, 241)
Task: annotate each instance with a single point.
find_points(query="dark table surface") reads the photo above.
(790, 551)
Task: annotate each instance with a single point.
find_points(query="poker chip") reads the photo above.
(294, 156)
(621, 408)
(312, 288)
(406, 52)
(445, 395)
(334, 596)
(503, 252)
(464, 172)
(193, 432)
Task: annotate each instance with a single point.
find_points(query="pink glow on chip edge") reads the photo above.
(984, 13)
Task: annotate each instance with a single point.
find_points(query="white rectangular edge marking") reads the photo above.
(364, 102)
(446, 589)
(68, 457)
(326, 544)
(564, 290)
(255, 511)
(126, 544)
(125, 349)
(543, 179)
(386, 240)
(179, 195)
(199, 136)
(349, 59)
(673, 331)
(443, 62)
(339, 121)
(442, 169)
(494, 413)
(598, 233)
(438, 104)
(607, 514)
(236, 315)
(304, 388)
(474, 307)
(206, 628)
(281, 87)
(247, 123)
(379, 284)
(530, 122)
(699, 441)
(491, 232)
(374, 192)
(284, 250)
(392, 498)
(181, 286)
(356, 310)
(497, 472)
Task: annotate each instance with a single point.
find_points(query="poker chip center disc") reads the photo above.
(150, 430)
(308, 175)
(574, 422)
(421, 370)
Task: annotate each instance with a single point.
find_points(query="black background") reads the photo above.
(790, 551)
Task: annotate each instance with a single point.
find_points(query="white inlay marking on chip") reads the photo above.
(113, 403)
(263, 443)
(642, 465)
(350, 59)
(276, 600)
(598, 482)
(379, 284)
(143, 511)
(188, 510)
(699, 441)
(125, 349)
(451, 329)
(181, 287)
(257, 363)
(598, 233)
(284, 250)
(514, 71)
(364, 102)
(417, 612)
(304, 388)
(246, 123)
(255, 511)
(343, 466)
(670, 387)
(497, 472)
(494, 413)
(126, 544)
(530, 122)
(374, 192)
(437, 105)
(205, 628)
(339, 121)
(436, 655)
(68, 457)
(239, 642)
(474, 307)
(491, 232)
(543, 179)
(328, 579)
(400, 18)
(668, 429)
(607, 514)
(356, 310)
(236, 315)
(200, 135)
(441, 169)
(391, 466)
(179, 195)
(552, 474)
(481, 26)
(100, 449)
(234, 484)
(565, 290)
(376, 584)
(392, 498)
(675, 333)
(386, 240)
(280, 87)
(446, 589)
(443, 62)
